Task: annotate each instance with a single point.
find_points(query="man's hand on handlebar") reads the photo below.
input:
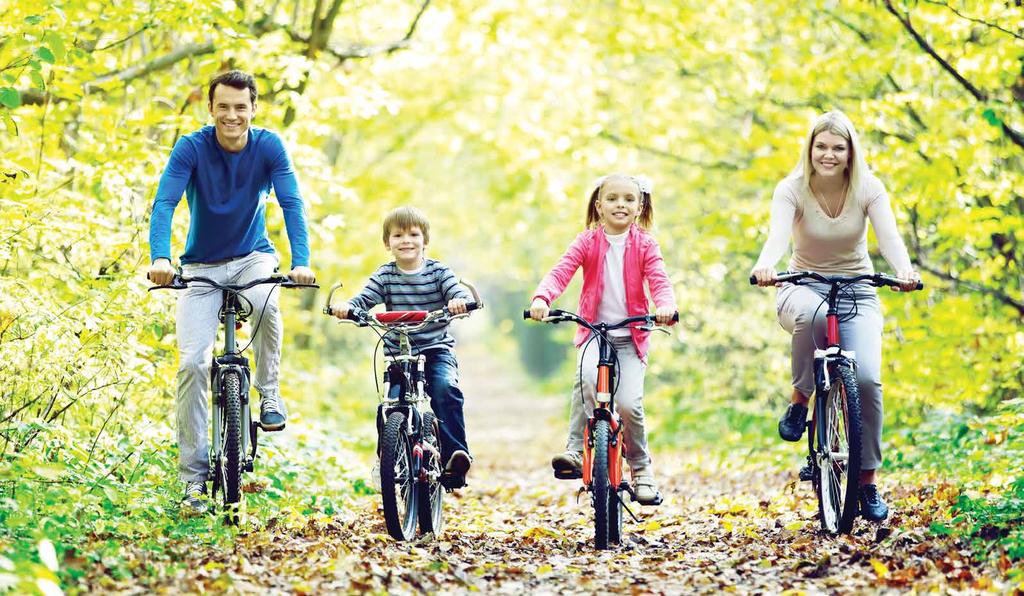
(161, 272)
(302, 275)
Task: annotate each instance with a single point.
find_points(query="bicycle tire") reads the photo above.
(398, 487)
(431, 494)
(232, 458)
(839, 430)
(600, 490)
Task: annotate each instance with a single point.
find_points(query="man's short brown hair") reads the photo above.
(406, 218)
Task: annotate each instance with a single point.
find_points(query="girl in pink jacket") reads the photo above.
(617, 256)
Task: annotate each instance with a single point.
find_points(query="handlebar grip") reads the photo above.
(526, 315)
(471, 306)
(753, 280)
(675, 317)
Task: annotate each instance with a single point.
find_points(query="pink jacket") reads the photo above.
(642, 261)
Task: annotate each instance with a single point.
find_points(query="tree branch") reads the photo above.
(1015, 136)
(721, 165)
(973, 20)
(995, 293)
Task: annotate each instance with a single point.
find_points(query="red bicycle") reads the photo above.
(834, 430)
(602, 436)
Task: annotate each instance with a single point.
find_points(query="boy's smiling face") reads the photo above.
(406, 245)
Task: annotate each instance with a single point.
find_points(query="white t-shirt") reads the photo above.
(613, 300)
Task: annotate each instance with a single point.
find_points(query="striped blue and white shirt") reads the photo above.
(430, 288)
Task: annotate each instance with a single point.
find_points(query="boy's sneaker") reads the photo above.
(645, 488)
(272, 413)
(568, 465)
(872, 507)
(454, 475)
(194, 502)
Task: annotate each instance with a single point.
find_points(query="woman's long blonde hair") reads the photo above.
(837, 123)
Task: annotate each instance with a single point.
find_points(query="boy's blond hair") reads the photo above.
(406, 218)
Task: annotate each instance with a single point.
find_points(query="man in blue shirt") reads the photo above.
(226, 172)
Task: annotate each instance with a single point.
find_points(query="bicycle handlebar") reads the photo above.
(874, 279)
(556, 316)
(180, 282)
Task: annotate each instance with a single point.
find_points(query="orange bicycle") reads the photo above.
(602, 436)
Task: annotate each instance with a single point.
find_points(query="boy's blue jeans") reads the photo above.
(446, 400)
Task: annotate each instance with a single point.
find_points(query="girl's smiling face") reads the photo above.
(618, 204)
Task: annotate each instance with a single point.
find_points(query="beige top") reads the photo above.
(830, 246)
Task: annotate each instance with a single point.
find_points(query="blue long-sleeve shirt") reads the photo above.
(227, 194)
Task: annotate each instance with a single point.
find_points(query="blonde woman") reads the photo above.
(825, 205)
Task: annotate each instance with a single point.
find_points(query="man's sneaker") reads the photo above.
(872, 508)
(645, 488)
(568, 465)
(792, 423)
(194, 502)
(272, 416)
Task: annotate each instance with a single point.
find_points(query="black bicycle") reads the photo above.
(834, 430)
(411, 471)
(234, 438)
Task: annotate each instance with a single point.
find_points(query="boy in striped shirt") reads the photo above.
(414, 282)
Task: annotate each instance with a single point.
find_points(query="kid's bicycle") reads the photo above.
(408, 443)
(834, 430)
(602, 436)
(233, 433)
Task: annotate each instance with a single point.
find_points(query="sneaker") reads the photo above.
(272, 414)
(195, 501)
(375, 475)
(454, 474)
(872, 508)
(806, 473)
(645, 488)
(568, 465)
(792, 423)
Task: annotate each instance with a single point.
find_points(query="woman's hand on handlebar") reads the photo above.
(539, 309)
(909, 279)
(341, 310)
(665, 315)
(765, 276)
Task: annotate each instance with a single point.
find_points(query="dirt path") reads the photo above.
(517, 530)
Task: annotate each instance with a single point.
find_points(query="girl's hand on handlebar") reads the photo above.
(909, 280)
(664, 315)
(341, 310)
(539, 309)
(765, 276)
(457, 306)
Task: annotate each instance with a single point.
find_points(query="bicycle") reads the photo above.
(232, 449)
(834, 430)
(411, 470)
(602, 445)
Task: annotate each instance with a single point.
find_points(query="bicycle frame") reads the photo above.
(604, 409)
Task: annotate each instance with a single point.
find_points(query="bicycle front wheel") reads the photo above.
(837, 451)
(231, 460)
(600, 488)
(430, 495)
(398, 487)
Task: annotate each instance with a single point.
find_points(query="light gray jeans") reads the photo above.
(801, 311)
(197, 329)
(628, 399)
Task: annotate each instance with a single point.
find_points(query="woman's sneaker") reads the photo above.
(872, 507)
(272, 413)
(568, 465)
(792, 423)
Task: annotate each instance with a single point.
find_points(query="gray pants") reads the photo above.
(801, 311)
(628, 399)
(197, 328)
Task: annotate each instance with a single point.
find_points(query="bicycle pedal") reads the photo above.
(451, 482)
(568, 475)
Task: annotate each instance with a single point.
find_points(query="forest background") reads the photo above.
(494, 117)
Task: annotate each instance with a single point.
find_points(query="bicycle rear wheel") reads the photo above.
(600, 489)
(231, 459)
(837, 452)
(398, 487)
(431, 494)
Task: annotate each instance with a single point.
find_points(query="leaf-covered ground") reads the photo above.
(516, 529)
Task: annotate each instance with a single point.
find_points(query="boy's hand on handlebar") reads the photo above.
(457, 306)
(302, 275)
(539, 309)
(909, 280)
(341, 310)
(664, 315)
(161, 272)
(765, 276)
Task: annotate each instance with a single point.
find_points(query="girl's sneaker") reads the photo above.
(644, 486)
(568, 465)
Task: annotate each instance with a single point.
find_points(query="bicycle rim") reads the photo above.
(398, 487)
(600, 489)
(837, 454)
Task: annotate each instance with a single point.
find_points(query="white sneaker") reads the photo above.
(645, 487)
